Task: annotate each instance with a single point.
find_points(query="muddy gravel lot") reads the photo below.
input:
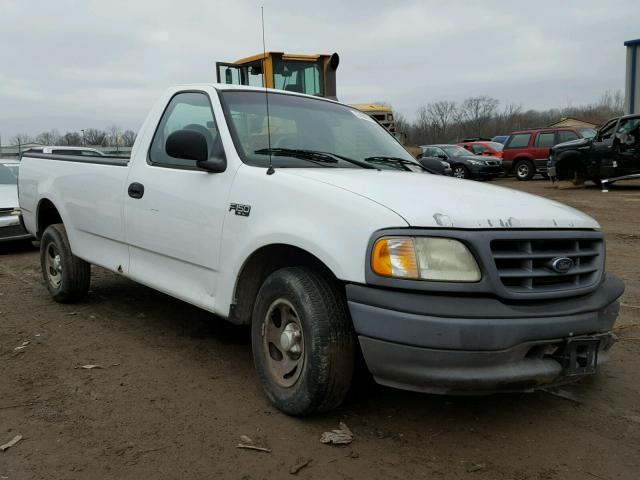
(176, 390)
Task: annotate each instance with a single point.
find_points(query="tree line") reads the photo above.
(444, 121)
(113, 136)
(448, 121)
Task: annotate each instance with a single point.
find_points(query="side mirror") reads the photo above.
(192, 145)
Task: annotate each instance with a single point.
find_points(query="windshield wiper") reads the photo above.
(394, 161)
(313, 156)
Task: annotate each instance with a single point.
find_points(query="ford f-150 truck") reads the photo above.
(310, 222)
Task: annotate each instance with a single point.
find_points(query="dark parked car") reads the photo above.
(463, 163)
(613, 152)
(526, 151)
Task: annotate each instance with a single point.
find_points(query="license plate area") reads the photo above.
(579, 356)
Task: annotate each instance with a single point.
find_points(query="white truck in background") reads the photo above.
(315, 226)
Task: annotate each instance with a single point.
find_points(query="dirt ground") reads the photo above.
(178, 389)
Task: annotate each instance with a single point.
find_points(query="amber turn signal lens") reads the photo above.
(395, 257)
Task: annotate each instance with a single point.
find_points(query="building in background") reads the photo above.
(632, 79)
(573, 122)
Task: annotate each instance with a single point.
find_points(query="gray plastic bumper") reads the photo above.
(471, 345)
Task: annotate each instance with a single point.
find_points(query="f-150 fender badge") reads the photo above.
(242, 210)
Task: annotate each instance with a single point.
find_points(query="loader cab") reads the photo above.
(309, 74)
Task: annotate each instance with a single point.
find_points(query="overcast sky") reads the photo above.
(80, 64)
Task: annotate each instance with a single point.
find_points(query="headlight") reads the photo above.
(424, 258)
(475, 162)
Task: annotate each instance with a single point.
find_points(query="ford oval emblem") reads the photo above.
(562, 264)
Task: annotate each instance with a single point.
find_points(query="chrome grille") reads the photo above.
(525, 265)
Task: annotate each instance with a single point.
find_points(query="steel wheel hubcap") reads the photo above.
(53, 265)
(283, 343)
(523, 170)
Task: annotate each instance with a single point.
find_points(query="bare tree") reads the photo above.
(477, 112)
(21, 139)
(52, 137)
(129, 137)
(442, 114)
(113, 135)
(93, 136)
(72, 139)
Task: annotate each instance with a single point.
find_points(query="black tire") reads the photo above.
(322, 378)
(460, 171)
(66, 276)
(524, 170)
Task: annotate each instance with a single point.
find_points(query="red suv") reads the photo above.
(526, 152)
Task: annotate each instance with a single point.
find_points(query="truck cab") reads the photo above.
(309, 74)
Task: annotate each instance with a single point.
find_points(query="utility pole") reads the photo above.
(84, 143)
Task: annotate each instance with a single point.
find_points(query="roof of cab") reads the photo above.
(229, 87)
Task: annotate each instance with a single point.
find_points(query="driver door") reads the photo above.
(602, 149)
(174, 211)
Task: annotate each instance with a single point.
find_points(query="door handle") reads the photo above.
(136, 190)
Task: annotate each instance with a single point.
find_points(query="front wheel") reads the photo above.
(460, 171)
(303, 342)
(524, 170)
(67, 277)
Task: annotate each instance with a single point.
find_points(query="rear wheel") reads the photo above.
(460, 171)
(67, 277)
(524, 170)
(303, 341)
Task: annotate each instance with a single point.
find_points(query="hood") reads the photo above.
(571, 144)
(425, 200)
(8, 196)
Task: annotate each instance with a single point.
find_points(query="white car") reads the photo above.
(315, 226)
(10, 227)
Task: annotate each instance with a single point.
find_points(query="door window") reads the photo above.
(606, 132)
(520, 140)
(628, 131)
(566, 136)
(545, 139)
(186, 111)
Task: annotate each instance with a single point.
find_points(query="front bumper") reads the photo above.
(486, 171)
(11, 229)
(475, 345)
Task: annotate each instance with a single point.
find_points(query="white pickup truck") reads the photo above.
(312, 224)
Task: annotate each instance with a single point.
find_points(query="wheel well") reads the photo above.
(568, 166)
(520, 159)
(47, 215)
(262, 263)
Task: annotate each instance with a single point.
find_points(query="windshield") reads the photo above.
(8, 174)
(300, 125)
(455, 151)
